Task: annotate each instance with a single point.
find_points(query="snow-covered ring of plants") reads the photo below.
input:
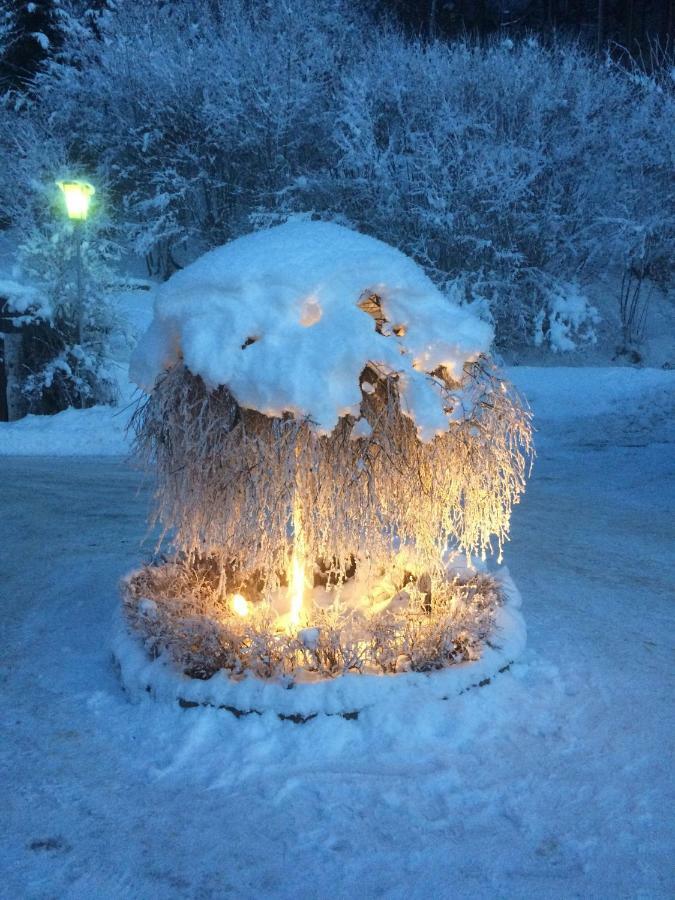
(388, 625)
(298, 700)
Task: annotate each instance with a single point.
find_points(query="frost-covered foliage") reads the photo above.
(567, 320)
(65, 346)
(508, 169)
(232, 481)
(199, 115)
(178, 610)
(7, 25)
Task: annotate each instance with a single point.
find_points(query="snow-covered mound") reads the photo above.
(274, 316)
(98, 431)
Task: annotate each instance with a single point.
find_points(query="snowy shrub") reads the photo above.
(75, 377)
(65, 353)
(567, 321)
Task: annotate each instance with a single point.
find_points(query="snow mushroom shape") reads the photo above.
(275, 316)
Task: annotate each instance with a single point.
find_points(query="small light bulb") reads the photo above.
(240, 605)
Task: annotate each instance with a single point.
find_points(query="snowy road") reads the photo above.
(555, 781)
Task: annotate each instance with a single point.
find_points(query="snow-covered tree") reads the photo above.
(284, 452)
(30, 32)
(507, 168)
(199, 117)
(67, 359)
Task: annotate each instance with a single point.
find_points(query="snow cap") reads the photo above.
(274, 316)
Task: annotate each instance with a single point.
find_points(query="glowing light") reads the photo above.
(78, 196)
(297, 580)
(240, 605)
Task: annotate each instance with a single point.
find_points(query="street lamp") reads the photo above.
(78, 196)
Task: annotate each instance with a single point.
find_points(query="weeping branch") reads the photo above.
(230, 479)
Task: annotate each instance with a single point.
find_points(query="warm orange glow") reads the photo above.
(240, 605)
(296, 586)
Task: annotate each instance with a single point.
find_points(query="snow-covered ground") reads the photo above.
(553, 781)
(99, 431)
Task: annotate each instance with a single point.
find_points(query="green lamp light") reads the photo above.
(78, 196)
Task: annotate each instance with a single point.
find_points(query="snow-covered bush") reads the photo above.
(567, 320)
(65, 352)
(252, 403)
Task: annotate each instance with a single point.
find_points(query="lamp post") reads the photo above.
(78, 196)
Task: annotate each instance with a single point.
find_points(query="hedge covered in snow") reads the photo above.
(519, 172)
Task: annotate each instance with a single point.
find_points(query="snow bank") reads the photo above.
(346, 693)
(99, 431)
(275, 317)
